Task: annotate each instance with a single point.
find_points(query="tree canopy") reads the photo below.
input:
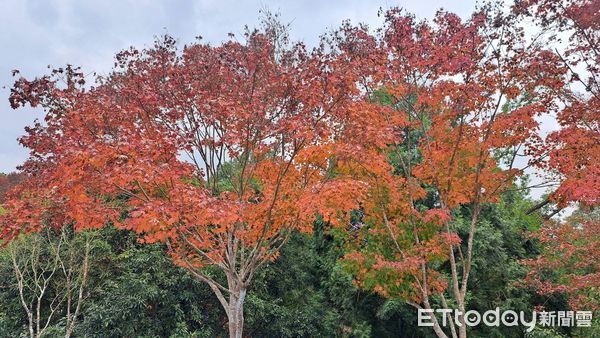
(408, 147)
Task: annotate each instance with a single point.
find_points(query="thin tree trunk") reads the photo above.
(236, 311)
(72, 319)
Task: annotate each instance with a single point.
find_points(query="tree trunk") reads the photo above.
(235, 313)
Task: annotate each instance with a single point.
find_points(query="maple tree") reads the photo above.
(449, 108)
(567, 263)
(219, 152)
(572, 29)
(576, 145)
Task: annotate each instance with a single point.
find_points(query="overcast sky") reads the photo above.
(38, 33)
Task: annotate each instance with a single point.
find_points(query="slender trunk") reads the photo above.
(438, 331)
(72, 319)
(462, 329)
(236, 311)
